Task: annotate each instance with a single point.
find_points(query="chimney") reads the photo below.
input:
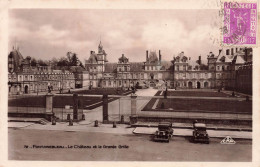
(219, 51)
(199, 62)
(160, 57)
(146, 55)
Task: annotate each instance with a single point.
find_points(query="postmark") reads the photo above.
(239, 23)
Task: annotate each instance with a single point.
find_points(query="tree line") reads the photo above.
(71, 59)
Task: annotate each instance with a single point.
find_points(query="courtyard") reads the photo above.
(77, 142)
(199, 101)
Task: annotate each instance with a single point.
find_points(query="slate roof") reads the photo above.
(153, 59)
(92, 58)
(123, 59)
(110, 67)
(77, 69)
(136, 66)
(239, 60)
(223, 58)
(166, 65)
(17, 57)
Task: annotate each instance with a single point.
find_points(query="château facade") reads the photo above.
(230, 68)
(219, 72)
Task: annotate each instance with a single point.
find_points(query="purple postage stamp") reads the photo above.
(240, 23)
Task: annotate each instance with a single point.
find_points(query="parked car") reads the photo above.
(164, 132)
(200, 133)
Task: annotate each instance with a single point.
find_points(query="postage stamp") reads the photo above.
(239, 23)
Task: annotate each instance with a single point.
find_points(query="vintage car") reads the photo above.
(164, 132)
(200, 133)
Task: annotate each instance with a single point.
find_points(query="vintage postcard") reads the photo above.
(130, 83)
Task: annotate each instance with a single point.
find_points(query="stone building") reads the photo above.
(187, 77)
(81, 76)
(227, 63)
(244, 78)
(96, 66)
(220, 71)
(124, 73)
(24, 78)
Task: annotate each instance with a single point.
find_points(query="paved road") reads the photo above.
(188, 132)
(121, 106)
(139, 148)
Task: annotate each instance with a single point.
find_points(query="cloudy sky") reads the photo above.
(47, 33)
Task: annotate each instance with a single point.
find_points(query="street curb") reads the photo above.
(220, 137)
(182, 127)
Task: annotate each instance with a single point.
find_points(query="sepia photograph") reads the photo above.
(102, 84)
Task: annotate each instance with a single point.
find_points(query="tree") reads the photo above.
(42, 63)
(54, 62)
(74, 60)
(33, 62)
(63, 62)
(70, 60)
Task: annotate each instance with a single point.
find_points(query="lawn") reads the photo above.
(85, 102)
(194, 93)
(28, 101)
(201, 105)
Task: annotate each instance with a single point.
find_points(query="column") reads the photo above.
(133, 105)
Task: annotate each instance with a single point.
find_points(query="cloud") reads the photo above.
(47, 33)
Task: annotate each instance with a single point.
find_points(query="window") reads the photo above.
(176, 76)
(218, 67)
(206, 75)
(177, 67)
(227, 52)
(142, 76)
